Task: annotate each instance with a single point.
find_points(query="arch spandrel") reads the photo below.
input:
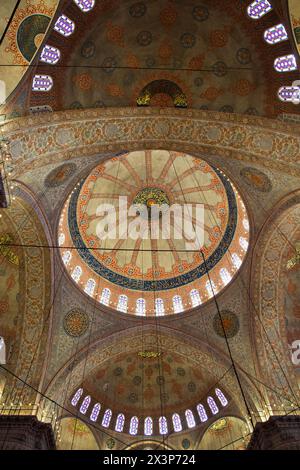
(28, 349)
(269, 332)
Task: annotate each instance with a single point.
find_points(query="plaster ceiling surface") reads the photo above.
(147, 266)
(139, 386)
(210, 55)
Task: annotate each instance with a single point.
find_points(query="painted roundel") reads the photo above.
(228, 323)
(256, 179)
(141, 232)
(61, 174)
(76, 323)
(30, 34)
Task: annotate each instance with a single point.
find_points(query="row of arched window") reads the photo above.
(256, 10)
(51, 55)
(275, 35)
(177, 302)
(163, 424)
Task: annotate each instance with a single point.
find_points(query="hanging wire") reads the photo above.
(250, 299)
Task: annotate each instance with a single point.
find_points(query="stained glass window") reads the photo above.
(50, 55)
(122, 303)
(134, 425)
(243, 243)
(85, 5)
(64, 26)
(106, 418)
(77, 397)
(95, 412)
(285, 63)
(202, 413)
(177, 304)
(159, 307)
(223, 400)
(90, 287)
(190, 420)
(246, 224)
(66, 257)
(42, 83)
(259, 8)
(2, 351)
(163, 425)
(195, 297)
(176, 422)
(289, 93)
(140, 307)
(76, 273)
(148, 426)
(225, 276)
(61, 239)
(85, 404)
(105, 296)
(236, 260)
(212, 405)
(210, 287)
(120, 421)
(276, 34)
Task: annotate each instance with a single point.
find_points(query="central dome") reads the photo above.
(122, 263)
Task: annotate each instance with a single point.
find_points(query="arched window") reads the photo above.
(276, 34)
(50, 55)
(225, 276)
(2, 351)
(42, 83)
(190, 420)
(258, 8)
(140, 307)
(177, 304)
(64, 26)
(95, 412)
(85, 5)
(223, 400)
(286, 63)
(212, 405)
(85, 404)
(120, 421)
(246, 224)
(244, 243)
(90, 287)
(289, 93)
(76, 273)
(195, 297)
(148, 426)
(105, 296)
(122, 303)
(176, 422)
(202, 413)
(77, 397)
(66, 257)
(61, 239)
(210, 287)
(236, 260)
(163, 425)
(106, 418)
(159, 307)
(134, 425)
